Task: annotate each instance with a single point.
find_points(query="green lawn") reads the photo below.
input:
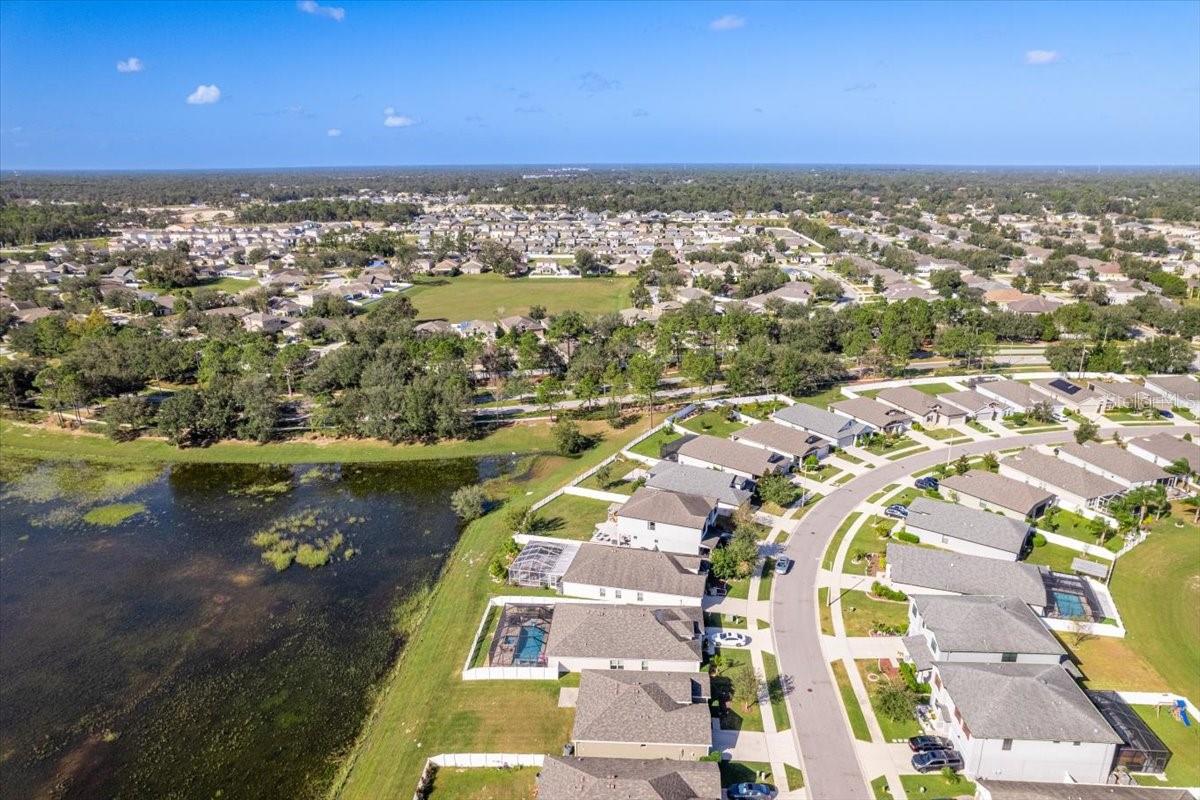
(761, 410)
(778, 701)
(724, 621)
(907, 453)
(935, 786)
(742, 772)
(821, 474)
(823, 399)
(795, 778)
(483, 647)
(934, 388)
(424, 706)
(941, 434)
(768, 579)
(569, 516)
(652, 445)
(1184, 743)
(979, 426)
(879, 495)
(883, 445)
(452, 783)
(879, 788)
(892, 729)
(619, 469)
(866, 541)
(494, 296)
(713, 422)
(825, 611)
(835, 542)
(848, 457)
(1059, 558)
(227, 285)
(1072, 525)
(862, 613)
(736, 717)
(858, 722)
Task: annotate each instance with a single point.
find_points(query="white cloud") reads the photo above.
(593, 82)
(1037, 57)
(729, 22)
(333, 132)
(335, 13)
(393, 120)
(131, 64)
(204, 95)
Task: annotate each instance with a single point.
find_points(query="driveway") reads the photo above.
(831, 765)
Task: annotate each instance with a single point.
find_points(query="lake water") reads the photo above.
(160, 657)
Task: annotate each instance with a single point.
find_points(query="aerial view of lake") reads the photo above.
(172, 632)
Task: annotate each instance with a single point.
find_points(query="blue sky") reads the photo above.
(190, 85)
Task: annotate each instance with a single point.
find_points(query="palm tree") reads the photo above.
(1194, 502)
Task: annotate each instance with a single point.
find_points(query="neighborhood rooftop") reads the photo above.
(997, 490)
(584, 630)
(724, 487)
(730, 455)
(968, 524)
(571, 778)
(1057, 473)
(635, 569)
(948, 571)
(669, 508)
(1114, 460)
(985, 624)
(650, 707)
(870, 412)
(825, 423)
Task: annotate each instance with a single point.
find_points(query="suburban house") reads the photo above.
(835, 429)
(622, 714)
(876, 415)
(1017, 395)
(931, 411)
(1123, 394)
(711, 452)
(1182, 390)
(655, 519)
(791, 443)
(641, 577)
(966, 530)
(1070, 395)
(571, 778)
(1164, 450)
(993, 629)
(921, 570)
(1033, 790)
(988, 491)
(976, 405)
(1076, 488)
(728, 489)
(1117, 465)
(639, 638)
(1022, 722)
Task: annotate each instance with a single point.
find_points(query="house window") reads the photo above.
(603, 592)
(646, 668)
(1076, 744)
(945, 539)
(650, 526)
(1008, 658)
(640, 597)
(616, 663)
(617, 593)
(1006, 745)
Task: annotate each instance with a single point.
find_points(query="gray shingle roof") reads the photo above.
(642, 707)
(1029, 790)
(639, 570)
(999, 491)
(585, 630)
(918, 650)
(1061, 475)
(1172, 448)
(1181, 386)
(724, 487)
(914, 400)
(985, 624)
(947, 571)
(968, 399)
(669, 508)
(1116, 461)
(967, 524)
(570, 778)
(871, 412)
(825, 423)
(1013, 392)
(724, 453)
(1031, 702)
(1065, 391)
(780, 438)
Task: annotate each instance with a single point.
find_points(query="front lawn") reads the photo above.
(735, 717)
(935, 786)
(821, 474)
(907, 453)
(768, 579)
(892, 730)
(979, 426)
(776, 689)
(825, 611)
(1184, 743)
(858, 722)
(832, 548)
(847, 457)
(724, 621)
(879, 495)
(861, 614)
(570, 516)
(714, 422)
(742, 772)
(884, 445)
(871, 538)
(653, 444)
(453, 783)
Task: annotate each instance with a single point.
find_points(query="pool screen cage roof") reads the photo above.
(542, 563)
(1143, 751)
(532, 620)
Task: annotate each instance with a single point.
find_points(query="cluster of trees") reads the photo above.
(25, 223)
(327, 211)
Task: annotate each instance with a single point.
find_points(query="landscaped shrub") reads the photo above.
(887, 593)
(909, 673)
(1039, 540)
(905, 536)
(469, 502)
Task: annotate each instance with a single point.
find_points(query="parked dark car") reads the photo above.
(750, 791)
(927, 483)
(937, 760)
(897, 511)
(920, 744)
(1165, 414)
(783, 565)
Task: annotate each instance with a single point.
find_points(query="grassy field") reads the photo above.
(861, 613)
(1070, 524)
(891, 729)
(737, 717)
(452, 783)
(617, 483)
(778, 701)
(712, 422)
(227, 285)
(39, 442)
(858, 722)
(934, 388)
(823, 399)
(491, 297)
(424, 706)
(1184, 743)
(569, 516)
(935, 785)
(868, 540)
(651, 446)
(1058, 558)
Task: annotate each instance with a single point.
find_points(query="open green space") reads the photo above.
(227, 285)
(858, 722)
(935, 786)
(652, 445)
(1058, 558)
(1183, 741)
(618, 469)
(736, 716)
(934, 388)
(713, 422)
(884, 445)
(491, 296)
(832, 548)
(862, 614)
(823, 399)
(893, 730)
(424, 706)
(870, 540)
(570, 516)
(453, 783)
(775, 691)
(1072, 525)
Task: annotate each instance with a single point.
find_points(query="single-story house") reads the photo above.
(1034, 790)
(641, 577)
(1111, 462)
(1076, 488)
(1182, 390)
(640, 638)
(836, 429)
(1070, 395)
(975, 404)
(728, 489)
(991, 629)
(1020, 396)
(928, 409)
(791, 443)
(1022, 722)
(634, 714)
(1164, 449)
(1124, 394)
(988, 491)
(572, 778)
(921, 570)
(966, 530)
(876, 415)
(711, 452)
(656, 519)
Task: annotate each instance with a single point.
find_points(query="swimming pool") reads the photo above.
(1069, 605)
(531, 643)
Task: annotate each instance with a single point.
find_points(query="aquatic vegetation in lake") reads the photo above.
(79, 481)
(113, 514)
(283, 542)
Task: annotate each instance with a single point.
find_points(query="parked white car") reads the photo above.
(728, 639)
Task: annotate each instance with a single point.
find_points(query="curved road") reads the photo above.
(831, 766)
